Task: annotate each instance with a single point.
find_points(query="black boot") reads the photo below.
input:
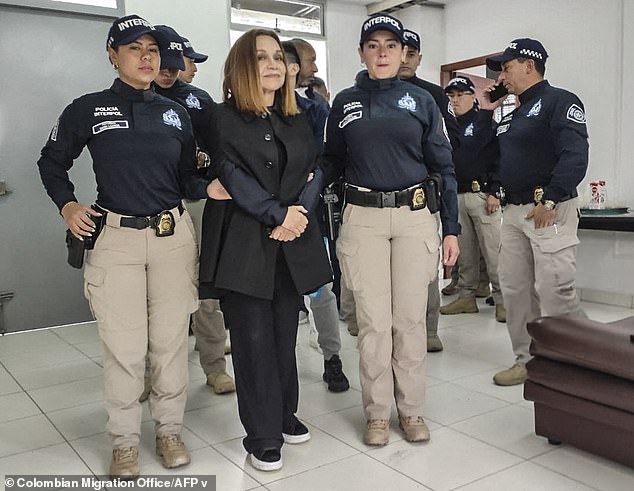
(334, 376)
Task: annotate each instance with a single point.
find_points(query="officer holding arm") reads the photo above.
(543, 157)
(141, 276)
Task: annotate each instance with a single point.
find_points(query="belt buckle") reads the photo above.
(538, 194)
(165, 224)
(388, 199)
(418, 199)
(475, 186)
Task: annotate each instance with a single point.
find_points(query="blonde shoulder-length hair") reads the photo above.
(241, 85)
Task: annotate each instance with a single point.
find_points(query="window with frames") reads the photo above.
(290, 17)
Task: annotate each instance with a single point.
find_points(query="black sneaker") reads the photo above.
(295, 432)
(334, 376)
(267, 460)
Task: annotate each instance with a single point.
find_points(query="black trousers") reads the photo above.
(263, 337)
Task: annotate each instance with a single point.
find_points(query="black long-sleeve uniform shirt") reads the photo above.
(476, 158)
(387, 135)
(544, 142)
(195, 100)
(141, 145)
(442, 101)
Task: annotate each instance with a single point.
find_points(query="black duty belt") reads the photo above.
(414, 198)
(525, 197)
(141, 223)
(474, 186)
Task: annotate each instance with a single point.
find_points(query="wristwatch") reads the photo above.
(549, 204)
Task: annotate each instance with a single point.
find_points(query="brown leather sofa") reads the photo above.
(581, 380)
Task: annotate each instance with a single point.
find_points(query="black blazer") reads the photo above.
(236, 251)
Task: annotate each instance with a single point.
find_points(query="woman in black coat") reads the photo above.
(262, 249)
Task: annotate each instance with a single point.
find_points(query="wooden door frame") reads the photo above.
(448, 71)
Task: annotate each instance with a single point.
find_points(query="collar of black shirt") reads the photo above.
(533, 91)
(129, 92)
(365, 82)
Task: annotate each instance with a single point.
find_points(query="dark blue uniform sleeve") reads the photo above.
(453, 130)
(193, 185)
(437, 155)
(570, 134)
(486, 129)
(335, 154)
(64, 145)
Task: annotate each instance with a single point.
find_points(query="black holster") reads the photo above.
(433, 191)
(77, 247)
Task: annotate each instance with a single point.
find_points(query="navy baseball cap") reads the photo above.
(411, 38)
(172, 52)
(460, 83)
(127, 29)
(381, 22)
(189, 52)
(518, 48)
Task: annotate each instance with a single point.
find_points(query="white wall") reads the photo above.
(429, 23)
(205, 23)
(343, 28)
(583, 40)
(591, 52)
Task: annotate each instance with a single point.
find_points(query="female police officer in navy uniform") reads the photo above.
(262, 249)
(140, 278)
(386, 136)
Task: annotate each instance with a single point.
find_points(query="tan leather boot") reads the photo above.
(173, 451)
(414, 428)
(465, 305)
(221, 382)
(377, 432)
(125, 463)
(511, 376)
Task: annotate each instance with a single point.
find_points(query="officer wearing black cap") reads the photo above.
(386, 136)
(543, 157)
(479, 214)
(140, 278)
(191, 58)
(168, 84)
(407, 72)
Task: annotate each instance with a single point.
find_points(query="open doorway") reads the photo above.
(481, 76)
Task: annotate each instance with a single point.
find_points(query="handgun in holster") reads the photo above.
(77, 247)
(433, 192)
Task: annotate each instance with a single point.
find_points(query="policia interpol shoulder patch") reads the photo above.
(576, 114)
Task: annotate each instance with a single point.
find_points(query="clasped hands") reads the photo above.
(294, 223)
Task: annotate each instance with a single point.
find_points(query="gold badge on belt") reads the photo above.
(418, 199)
(166, 224)
(538, 194)
(475, 187)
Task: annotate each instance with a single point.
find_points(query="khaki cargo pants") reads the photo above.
(142, 290)
(480, 232)
(537, 270)
(388, 257)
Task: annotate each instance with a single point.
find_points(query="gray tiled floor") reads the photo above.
(52, 421)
